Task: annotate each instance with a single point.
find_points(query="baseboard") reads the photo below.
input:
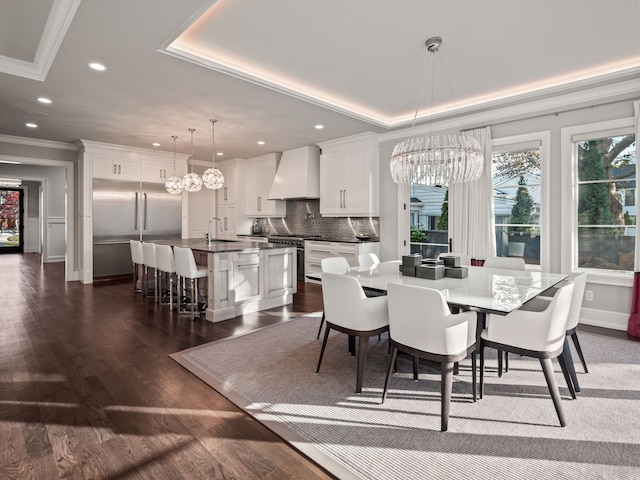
(604, 318)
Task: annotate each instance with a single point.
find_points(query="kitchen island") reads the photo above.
(244, 276)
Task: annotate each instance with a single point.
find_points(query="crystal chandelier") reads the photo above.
(212, 177)
(433, 160)
(192, 181)
(174, 184)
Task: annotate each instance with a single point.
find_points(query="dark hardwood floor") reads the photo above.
(88, 391)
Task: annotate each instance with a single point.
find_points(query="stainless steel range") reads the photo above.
(296, 241)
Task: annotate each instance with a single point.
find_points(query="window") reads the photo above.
(429, 220)
(605, 209)
(517, 201)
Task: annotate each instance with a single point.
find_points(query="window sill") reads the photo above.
(616, 278)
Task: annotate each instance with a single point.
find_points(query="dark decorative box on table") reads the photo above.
(432, 272)
(432, 262)
(451, 260)
(409, 264)
(456, 272)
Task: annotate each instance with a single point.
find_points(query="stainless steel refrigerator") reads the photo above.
(123, 211)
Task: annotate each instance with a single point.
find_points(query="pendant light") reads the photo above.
(174, 184)
(433, 160)
(192, 181)
(212, 177)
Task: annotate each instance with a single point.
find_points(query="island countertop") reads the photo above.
(219, 246)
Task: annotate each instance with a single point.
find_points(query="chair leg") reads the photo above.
(392, 361)
(547, 368)
(324, 344)
(576, 343)
(363, 345)
(568, 358)
(506, 362)
(474, 376)
(567, 376)
(481, 393)
(321, 323)
(499, 363)
(446, 382)
(416, 366)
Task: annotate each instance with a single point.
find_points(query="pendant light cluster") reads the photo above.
(212, 178)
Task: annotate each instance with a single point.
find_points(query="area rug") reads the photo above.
(512, 433)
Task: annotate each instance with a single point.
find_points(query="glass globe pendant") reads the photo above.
(192, 181)
(174, 185)
(212, 177)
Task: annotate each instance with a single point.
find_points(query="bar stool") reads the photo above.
(186, 268)
(137, 259)
(166, 265)
(149, 256)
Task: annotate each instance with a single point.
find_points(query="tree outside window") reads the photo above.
(606, 202)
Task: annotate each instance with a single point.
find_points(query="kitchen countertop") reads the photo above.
(344, 239)
(219, 246)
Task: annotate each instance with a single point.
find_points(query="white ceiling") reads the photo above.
(272, 70)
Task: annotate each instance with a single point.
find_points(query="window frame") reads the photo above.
(569, 198)
(544, 139)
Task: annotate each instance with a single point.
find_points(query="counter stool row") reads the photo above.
(168, 274)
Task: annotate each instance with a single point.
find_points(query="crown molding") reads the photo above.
(60, 17)
(36, 142)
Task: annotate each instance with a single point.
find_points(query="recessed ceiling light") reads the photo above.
(260, 142)
(44, 100)
(319, 127)
(220, 154)
(155, 144)
(97, 66)
(31, 125)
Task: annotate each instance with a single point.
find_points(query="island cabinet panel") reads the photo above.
(249, 280)
(280, 272)
(246, 283)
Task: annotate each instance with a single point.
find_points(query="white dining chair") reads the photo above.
(333, 265)
(349, 310)
(188, 271)
(149, 255)
(534, 334)
(137, 259)
(368, 260)
(421, 324)
(166, 264)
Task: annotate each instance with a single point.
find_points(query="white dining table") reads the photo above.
(487, 290)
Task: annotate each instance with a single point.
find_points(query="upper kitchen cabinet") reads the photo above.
(155, 171)
(114, 167)
(260, 174)
(349, 177)
(117, 162)
(227, 194)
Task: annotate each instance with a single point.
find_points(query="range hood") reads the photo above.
(298, 175)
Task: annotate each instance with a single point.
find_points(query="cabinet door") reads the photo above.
(331, 183)
(155, 172)
(246, 283)
(355, 196)
(227, 194)
(107, 166)
(227, 214)
(346, 250)
(260, 175)
(280, 272)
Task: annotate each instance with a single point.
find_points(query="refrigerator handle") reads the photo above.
(144, 227)
(135, 215)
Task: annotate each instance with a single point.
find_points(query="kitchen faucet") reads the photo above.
(208, 238)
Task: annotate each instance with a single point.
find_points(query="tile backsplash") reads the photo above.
(303, 218)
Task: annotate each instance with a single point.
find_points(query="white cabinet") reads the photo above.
(280, 272)
(315, 251)
(227, 215)
(227, 194)
(260, 174)
(349, 177)
(159, 172)
(246, 273)
(115, 167)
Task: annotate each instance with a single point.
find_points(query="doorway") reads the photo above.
(11, 220)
